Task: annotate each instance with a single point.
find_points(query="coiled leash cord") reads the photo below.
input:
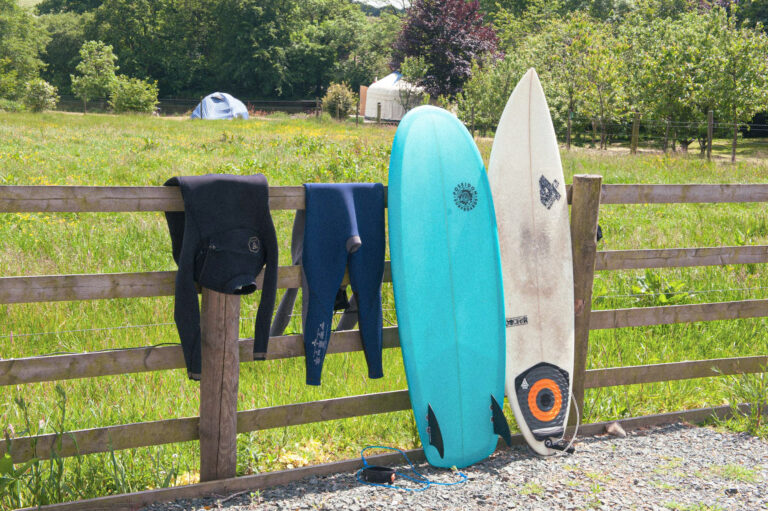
(374, 475)
(568, 448)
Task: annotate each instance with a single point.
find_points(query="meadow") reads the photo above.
(72, 149)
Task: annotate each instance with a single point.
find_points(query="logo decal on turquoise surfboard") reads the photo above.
(548, 192)
(465, 196)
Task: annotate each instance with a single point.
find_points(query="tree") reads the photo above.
(62, 53)
(741, 80)
(601, 81)
(413, 70)
(328, 35)
(450, 34)
(559, 53)
(171, 41)
(485, 95)
(96, 72)
(59, 6)
(369, 57)
(21, 42)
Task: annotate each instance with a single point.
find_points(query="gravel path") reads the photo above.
(672, 467)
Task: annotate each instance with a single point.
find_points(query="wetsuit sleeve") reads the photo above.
(268, 293)
(187, 309)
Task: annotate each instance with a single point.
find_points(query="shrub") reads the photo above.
(339, 101)
(9, 105)
(133, 95)
(40, 95)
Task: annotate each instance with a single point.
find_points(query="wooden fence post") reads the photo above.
(585, 206)
(378, 113)
(635, 133)
(218, 385)
(710, 132)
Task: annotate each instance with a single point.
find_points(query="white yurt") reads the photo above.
(391, 91)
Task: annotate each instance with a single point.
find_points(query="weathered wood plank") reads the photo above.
(584, 214)
(671, 371)
(142, 434)
(157, 358)
(134, 501)
(83, 199)
(680, 257)
(219, 325)
(54, 288)
(667, 315)
(99, 286)
(319, 411)
(683, 193)
(160, 198)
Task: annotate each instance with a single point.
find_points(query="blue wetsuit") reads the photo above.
(344, 227)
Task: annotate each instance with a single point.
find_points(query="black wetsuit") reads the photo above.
(221, 241)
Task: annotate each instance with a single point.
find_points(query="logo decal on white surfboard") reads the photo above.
(548, 192)
(517, 321)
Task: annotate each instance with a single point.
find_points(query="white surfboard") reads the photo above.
(528, 189)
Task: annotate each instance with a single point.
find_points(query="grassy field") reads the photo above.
(71, 149)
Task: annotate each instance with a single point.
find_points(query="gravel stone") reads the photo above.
(656, 469)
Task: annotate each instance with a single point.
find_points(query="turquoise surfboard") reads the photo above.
(446, 273)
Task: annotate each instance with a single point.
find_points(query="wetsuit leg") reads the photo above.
(324, 260)
(285, 309)
(366, 269)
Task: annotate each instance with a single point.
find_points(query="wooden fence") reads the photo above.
(220, 421)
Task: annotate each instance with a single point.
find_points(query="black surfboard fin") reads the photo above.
(500, 425)
(433, 430)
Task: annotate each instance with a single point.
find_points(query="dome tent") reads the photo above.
(391, 91)
(220, 105)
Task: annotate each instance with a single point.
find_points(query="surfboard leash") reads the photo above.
(375, 475)
(568, 449)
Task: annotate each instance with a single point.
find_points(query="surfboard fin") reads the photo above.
(433, 430)
(500, 425)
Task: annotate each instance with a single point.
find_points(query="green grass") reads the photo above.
(133, 150)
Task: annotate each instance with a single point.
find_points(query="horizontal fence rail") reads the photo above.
(73, 199)
(158, 358)
(670, 314)
(98, 286)
(144, 434)
(680, 257)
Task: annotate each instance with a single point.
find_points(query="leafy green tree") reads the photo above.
(370, 55)
(171, 41)
(740, 80)
(559, 54)
(96, 72)
(328, 35)
(21, 43)
(413, 70)
(40, 95)
(133, 95)
(66, 33)
(59, 6)
(482, 101)
(601, 82)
